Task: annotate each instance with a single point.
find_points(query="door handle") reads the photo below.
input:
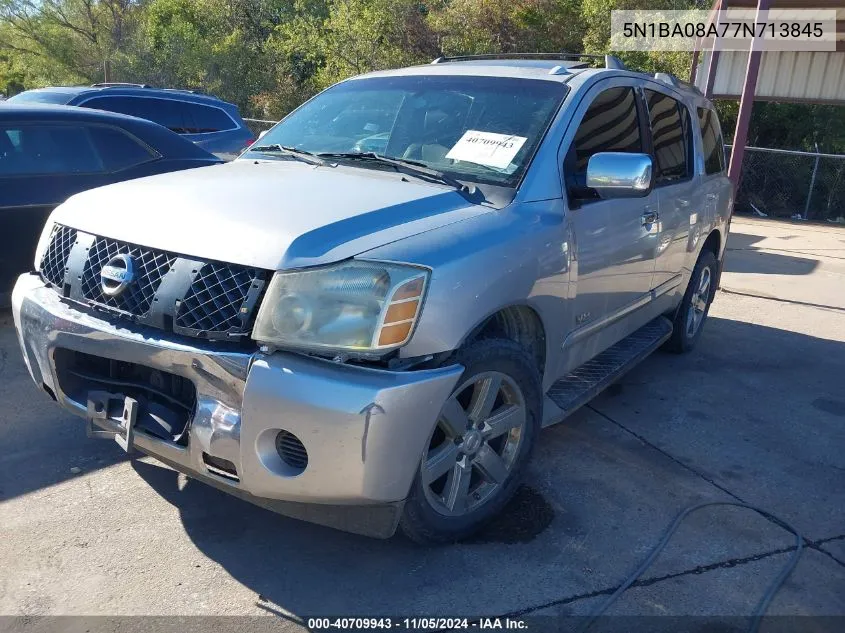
(649, 217)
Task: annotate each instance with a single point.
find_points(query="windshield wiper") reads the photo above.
(402, 165)
(301, 154)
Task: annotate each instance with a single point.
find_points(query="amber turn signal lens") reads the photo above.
(409, 290)
(394, 334)
(401, 312)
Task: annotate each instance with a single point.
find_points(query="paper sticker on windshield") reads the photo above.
(487, 148)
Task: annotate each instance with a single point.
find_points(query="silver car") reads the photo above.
(366, 319)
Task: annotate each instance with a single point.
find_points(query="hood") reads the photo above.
(268, 214)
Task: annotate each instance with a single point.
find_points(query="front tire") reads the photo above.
(692, 313)
(476, 454)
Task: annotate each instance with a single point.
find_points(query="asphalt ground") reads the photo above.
(755, 414)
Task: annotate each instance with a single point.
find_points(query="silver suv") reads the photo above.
(367, 318)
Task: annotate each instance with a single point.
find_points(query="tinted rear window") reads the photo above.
(203, 119)
(670, 132)
(714, 146)
(47, 149)
(162, 111)
(118, 150)
(31, 149)
(37, 96)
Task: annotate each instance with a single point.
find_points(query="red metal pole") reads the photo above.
(712, 67)
(711, 73)
(746, 103)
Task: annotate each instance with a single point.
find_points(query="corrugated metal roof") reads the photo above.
(817, 77)
(806, 5)
(784, 76)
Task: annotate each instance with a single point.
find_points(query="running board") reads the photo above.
(590, 379)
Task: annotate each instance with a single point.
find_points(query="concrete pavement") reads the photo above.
(790, 261)
(756, 413)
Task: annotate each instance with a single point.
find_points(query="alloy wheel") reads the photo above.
(698, 302)
(474, 445)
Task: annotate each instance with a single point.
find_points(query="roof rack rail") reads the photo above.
(610, 61)
(118, 84)
(675, 82)
(193, 91)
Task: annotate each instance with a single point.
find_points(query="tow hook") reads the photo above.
(117, 410)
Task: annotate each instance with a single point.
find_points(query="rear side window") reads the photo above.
(610, 124)
(48, 149)
(32, 149)
(714, 145)
(42, 96)
(118, 150)
(670, 131)
(165, 112)
(203, 119)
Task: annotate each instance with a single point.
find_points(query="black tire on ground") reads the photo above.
(420, 521)
(683, 339)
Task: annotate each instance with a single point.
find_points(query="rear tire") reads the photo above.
(476, 454)
(692, 313)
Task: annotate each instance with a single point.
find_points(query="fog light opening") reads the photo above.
(291, 451)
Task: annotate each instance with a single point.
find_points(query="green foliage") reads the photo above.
(65, 40)
(798, 126)
(465, 27)
(341, 38)
(268, 56)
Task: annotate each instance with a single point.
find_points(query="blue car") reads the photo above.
(49, 153)
(214, 125)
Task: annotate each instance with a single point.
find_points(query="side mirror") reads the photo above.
(620, 175)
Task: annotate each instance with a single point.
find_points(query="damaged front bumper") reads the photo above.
(358, 431)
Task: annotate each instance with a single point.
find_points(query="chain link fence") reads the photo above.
(775, 183)
(789, 184)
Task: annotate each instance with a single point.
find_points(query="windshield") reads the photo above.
(38, 96)
(477, 129)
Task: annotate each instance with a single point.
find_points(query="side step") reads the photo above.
(590, 379)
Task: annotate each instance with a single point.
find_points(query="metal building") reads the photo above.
(803, 77)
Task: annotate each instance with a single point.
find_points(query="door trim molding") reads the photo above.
(666, 286)
(590, 328)
(584, 331)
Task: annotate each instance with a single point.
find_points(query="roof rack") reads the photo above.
(193, 91)
(610, 61)
(119, 84)
(680, 84)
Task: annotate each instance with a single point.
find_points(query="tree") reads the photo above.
(493, 26)
(341, 38)
(68, 38)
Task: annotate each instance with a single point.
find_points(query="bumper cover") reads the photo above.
(364, 429)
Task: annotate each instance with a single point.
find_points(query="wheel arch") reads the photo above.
(518, 322)
(713, 243)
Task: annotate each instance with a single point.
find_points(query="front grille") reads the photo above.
(54, 261)
(215, 301)
(150, 268)
(199, 298)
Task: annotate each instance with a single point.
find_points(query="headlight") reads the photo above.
(356, 306)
